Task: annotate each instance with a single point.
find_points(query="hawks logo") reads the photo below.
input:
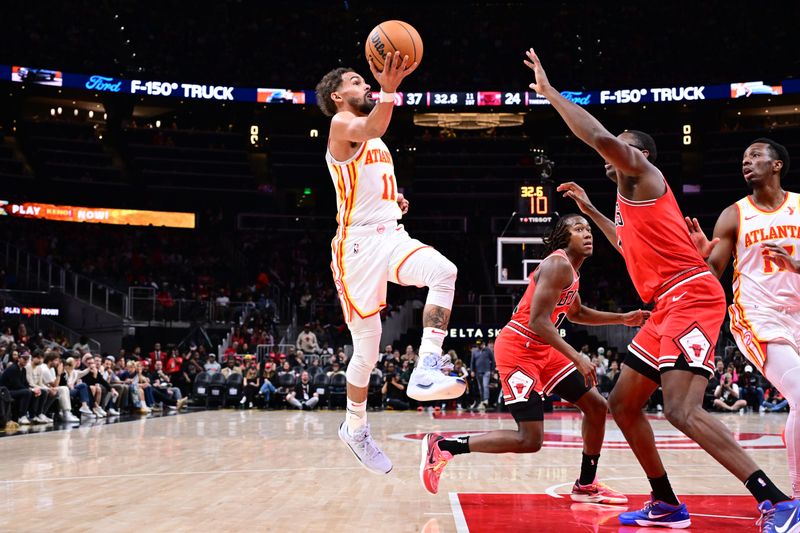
(518, 387)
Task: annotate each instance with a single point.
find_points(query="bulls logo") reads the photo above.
(518, 386)
(695, 346)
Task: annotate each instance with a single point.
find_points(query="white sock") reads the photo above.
(356, 416)
(432, 339)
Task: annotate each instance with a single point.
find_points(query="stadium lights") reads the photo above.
(158, 123)
(52, 112)
(91, 114)
(59, 110)
(75, 112)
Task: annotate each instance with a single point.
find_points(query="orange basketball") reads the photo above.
(393, 36)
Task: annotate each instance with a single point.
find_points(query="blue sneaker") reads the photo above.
(658, 514)
(781, 518)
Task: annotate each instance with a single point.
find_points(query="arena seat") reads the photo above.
(234, 389)
(200, 389)
(216, 389)
(338, 391)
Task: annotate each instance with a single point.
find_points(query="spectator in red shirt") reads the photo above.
(157, 355)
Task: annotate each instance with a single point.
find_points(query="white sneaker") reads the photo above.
(365, 449)
(102, 411)
(69, 417)
(86, 411)
(427, 381)
(98, 412)
(44, 419)
(24, 421)
(145, 410)
(113, 412)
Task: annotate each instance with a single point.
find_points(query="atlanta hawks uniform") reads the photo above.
(369, 247)
(528, 366)
(666, 269)
(766, 300)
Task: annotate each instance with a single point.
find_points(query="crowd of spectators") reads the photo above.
(48, 381)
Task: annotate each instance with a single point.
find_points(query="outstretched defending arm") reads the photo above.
(629, 160)
(580, 314)
(576, 192)
(717, 252)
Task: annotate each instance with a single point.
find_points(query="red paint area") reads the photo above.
(489, 513)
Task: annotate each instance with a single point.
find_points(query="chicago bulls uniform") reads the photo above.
(666, 269)
(766, 300)
(528, 366)
(367, 214)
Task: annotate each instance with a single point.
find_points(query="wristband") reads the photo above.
(386, 98)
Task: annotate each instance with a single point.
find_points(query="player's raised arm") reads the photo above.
(629, 160)
(347, 126)
(606, 225)
(553, 276)
(717, 252)
(580, 314)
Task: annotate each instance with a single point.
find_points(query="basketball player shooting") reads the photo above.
(676, 346)
(533, 359)
(762, 232)
(370, 248)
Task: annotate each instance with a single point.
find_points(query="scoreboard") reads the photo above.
(534, 207)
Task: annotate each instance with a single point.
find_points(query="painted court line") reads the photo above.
(458, 513)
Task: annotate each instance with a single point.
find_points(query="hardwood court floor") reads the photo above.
(287, 471)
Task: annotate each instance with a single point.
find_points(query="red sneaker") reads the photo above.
(433, 462)
(597, 492)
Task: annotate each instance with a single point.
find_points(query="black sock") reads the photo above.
(588, 469)
(662, 490)
(762, 488)
(455, 446)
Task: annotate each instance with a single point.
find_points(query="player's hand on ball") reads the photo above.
(576, 192)
(701, 242)
(542, 83)
(587, 370)
(403, 203)
(779, 256)
(635, 318)
(395, 68)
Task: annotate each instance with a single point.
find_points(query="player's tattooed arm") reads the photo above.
(434, 316)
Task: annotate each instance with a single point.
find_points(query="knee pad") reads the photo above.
(366, 335)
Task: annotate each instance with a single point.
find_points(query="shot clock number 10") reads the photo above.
(534, 200)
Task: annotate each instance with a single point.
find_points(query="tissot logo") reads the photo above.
(101, 83)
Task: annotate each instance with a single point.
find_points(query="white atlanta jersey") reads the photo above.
(366, 189)
(766, 299)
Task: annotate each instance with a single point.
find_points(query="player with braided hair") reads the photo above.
(533, 360)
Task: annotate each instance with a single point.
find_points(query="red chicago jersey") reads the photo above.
(520, 318)
(655, 242)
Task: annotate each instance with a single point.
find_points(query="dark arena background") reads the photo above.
(167, 213)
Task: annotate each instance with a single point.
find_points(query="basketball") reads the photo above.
(393, 36)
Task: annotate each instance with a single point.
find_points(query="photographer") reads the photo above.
(750, 388)
(726, 396)
(394, 392)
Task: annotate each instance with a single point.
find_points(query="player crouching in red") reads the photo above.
(533, 359)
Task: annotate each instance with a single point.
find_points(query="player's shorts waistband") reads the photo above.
(679, 279)
(523, 331)
(374, 229)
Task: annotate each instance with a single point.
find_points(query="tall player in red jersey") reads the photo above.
(676, 346)
(533, 359)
